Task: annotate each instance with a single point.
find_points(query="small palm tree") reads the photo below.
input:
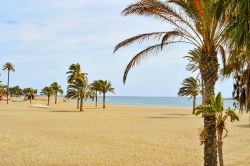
(105, 87)
(79, 89)
(2, 90)
(48, 91)
(57, 89)
(190, 87)
(15, 91)
(216, 108)
(29, 93)
(95, 86)
(10, 68)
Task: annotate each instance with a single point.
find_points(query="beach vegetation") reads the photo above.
(73, 73)
(29, 94)
(57, 90)
(202, 24)
(95, 86)
(216, 108)
(105, 87)
(10, 68)
(79, 89)
(48, 91)
(190, 88)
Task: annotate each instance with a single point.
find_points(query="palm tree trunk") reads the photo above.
(8, 84)
(220, 154)
(104, 105)
(30, 101)
(209, 71)
(95, 98)
(48, 100)
(194, 103)
(81, 104)
(56, 98)
(78, 100)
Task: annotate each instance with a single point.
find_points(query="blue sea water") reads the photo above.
(155, 101)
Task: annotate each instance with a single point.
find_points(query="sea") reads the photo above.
(155, 101)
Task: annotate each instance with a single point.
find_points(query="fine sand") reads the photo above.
(119, 136)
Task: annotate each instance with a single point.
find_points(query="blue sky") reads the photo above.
(43, 37)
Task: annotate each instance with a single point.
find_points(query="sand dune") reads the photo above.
(118, 136)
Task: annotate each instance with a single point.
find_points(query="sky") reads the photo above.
(43, 37)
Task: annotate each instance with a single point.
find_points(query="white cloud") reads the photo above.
(44, 36)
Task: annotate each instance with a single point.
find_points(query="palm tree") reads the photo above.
(2, 90)
(238, 63)
(239, 31)
(105, 87)
(75, 72)
(194, 64)
(216, 108)
(79, 89)
(15, 91)
(10, 68)
(190, 87)
(48, 91)
(95, 86)
(57, 89)
(199, 23)
(29, 93)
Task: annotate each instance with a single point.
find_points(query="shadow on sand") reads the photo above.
(162, 117)
(65, 111)
(177, 114)
(243, 126)
(75, 110)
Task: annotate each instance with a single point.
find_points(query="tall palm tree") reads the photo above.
(239, 32)
(48, 91)
(95, 86)
(57, 89)
(105, 87)
(238, 63)
(10, 68)
(201, 23)
(79, 89)
(73, 73)
(216, 108)
(190, 87)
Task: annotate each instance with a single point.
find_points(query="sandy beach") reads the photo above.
(117, 136)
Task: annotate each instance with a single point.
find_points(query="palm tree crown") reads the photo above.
(190, 87)
(203, 26)
(9, 66)
(105, 86)
(75, 72)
